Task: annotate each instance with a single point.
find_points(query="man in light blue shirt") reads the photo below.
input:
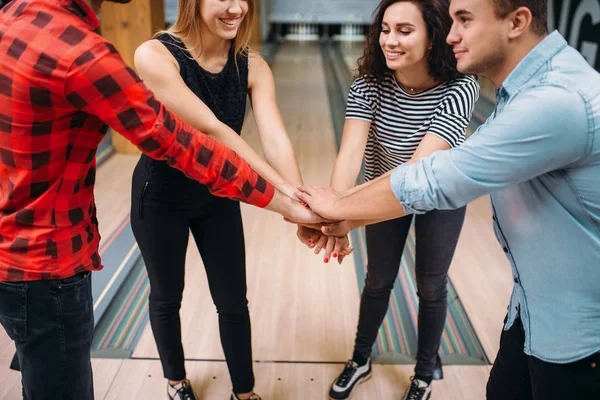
(538, 156)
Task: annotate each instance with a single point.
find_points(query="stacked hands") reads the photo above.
(314, 211)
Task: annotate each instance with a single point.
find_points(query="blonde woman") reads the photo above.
(201, 69)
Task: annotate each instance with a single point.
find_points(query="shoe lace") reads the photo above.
(347, 373)
(415, 392)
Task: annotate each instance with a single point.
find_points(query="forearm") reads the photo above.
(282, 158)
(369, 203)
(366, 184)
(345, 172)
(204, 159)
(262, 167)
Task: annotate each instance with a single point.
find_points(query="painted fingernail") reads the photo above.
(334, 255)
(326, 260)
(309, 241)
(304, 204)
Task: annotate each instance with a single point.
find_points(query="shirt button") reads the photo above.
(516, 280)
(493, 218)
(505, 249)
(593, 365)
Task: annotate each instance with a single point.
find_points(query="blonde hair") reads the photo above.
(187, 25)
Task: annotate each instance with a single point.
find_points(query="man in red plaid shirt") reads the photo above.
(61, 87)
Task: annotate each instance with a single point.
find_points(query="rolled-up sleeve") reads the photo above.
(541, 130)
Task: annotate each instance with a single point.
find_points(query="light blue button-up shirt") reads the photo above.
(538, 156)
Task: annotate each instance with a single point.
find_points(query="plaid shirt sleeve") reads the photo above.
(100, 83)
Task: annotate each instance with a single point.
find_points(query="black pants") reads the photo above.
(162, 231)
(51, 323)
(517, 376)
(437, 234)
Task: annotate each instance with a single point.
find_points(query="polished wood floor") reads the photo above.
(304, 312)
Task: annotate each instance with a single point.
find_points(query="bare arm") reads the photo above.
(429, 145)
(160, 72)
(352, 150)
(275, 141)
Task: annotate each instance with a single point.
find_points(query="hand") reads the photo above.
(338, 229)
(288, 190)
(308, 236)
(321, 200)
(292, 210)
(336, 247)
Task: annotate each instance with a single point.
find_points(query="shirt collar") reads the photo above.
(532, 62)
(81, 10)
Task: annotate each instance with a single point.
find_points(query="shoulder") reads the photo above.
(258, 69)
(465, 85)
(462, 90)
(369, 85)
(558, 100)
(257, 63)
(152, 53)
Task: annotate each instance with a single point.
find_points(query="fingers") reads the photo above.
(310, 190)
(329, 248)
(321, 243)
(303, 197)
(314, 238)
(338, 229)
(344, 254)
(339, 246)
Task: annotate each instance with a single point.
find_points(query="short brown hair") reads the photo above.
(538, 8)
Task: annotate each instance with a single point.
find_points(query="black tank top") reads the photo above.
(223, 92)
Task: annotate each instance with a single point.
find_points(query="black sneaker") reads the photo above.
(181, 391)
(418, 390)
(351, 376)
(253, 397)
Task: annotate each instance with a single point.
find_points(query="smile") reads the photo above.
(458, 53)
(229, 21)
(393, 55)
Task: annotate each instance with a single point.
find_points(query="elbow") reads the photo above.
(211, 127)
(278, 151)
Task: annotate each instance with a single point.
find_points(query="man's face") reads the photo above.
(479, 38)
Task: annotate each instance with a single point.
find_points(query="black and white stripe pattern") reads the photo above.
(400, 120)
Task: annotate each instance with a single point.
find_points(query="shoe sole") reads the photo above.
(360, 382)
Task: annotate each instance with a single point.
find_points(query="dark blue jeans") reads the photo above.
(436, 236)
(51, 323)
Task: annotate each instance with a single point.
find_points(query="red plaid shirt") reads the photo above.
(61, 87)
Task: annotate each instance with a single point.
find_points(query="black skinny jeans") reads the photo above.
(437, 234)
(517, 376)
(161, 229)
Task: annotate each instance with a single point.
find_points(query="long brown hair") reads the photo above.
(187, 25)
(441, 60)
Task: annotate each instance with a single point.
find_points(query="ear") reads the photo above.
(520, 21)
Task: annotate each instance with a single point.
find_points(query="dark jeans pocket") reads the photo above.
(13, 309)
(77, 303)
(75, 280)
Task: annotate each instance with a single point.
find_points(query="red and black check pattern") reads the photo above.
(61, 87)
